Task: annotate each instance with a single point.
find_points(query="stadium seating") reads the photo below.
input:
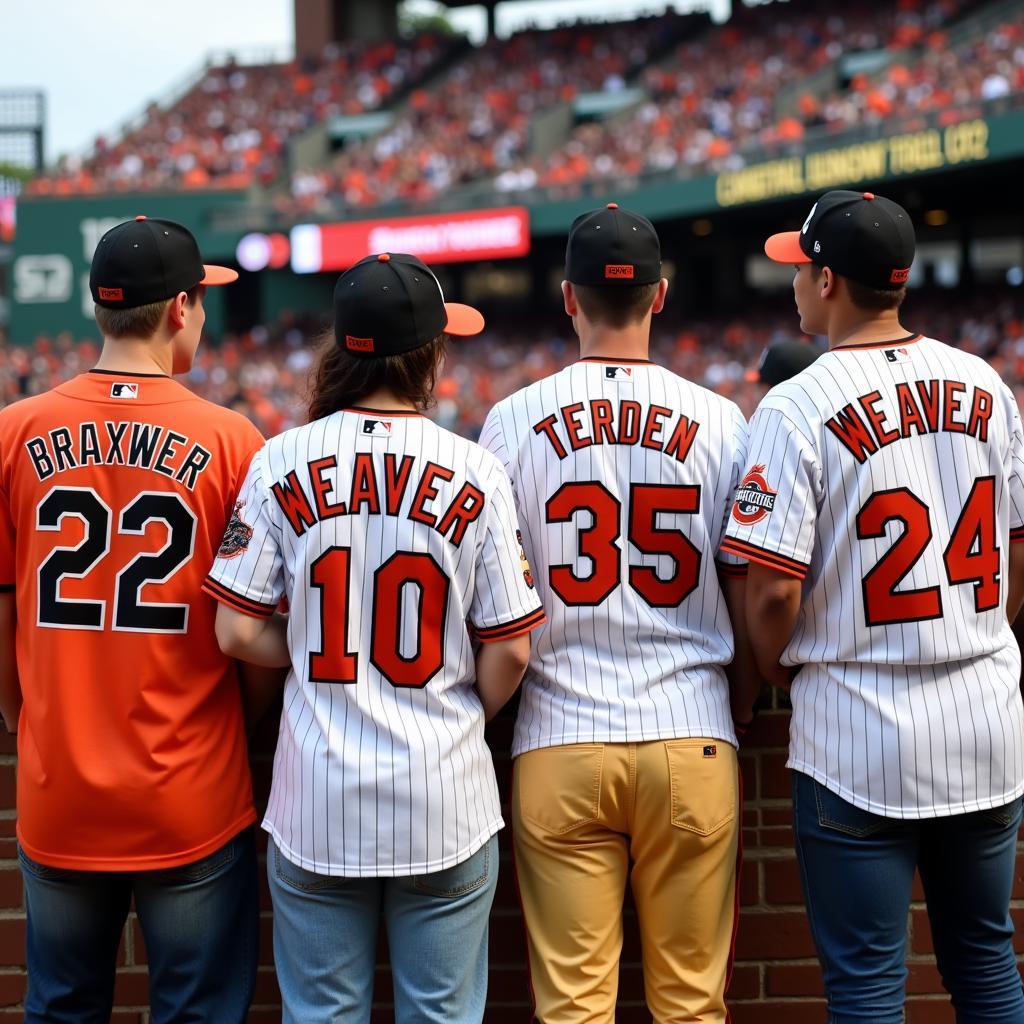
(718, 98)
(759, 83)
(475, 124)
(232, 127)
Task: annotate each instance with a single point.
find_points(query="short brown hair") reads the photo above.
(341, 379)
(617, 305)
(863, 296)
(140, 322)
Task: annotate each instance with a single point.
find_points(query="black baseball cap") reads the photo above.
(391, 303)
(860, 235)
(783, 360)
(147, 260)
(612, 246)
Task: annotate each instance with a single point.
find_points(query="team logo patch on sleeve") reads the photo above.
(754, 498)
(524, 562)
(236, 536)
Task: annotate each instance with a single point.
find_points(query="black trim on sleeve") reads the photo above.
(771, 559)
(237, 601)
(507, 630)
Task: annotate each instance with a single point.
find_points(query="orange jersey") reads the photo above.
(115, 490)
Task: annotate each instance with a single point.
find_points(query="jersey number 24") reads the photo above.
(971, 556)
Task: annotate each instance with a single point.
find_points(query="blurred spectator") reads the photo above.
(265, 372)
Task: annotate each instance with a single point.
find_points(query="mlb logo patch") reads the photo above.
(711, 750)
(618, 373)
(377, 428)
(124, 390)
(897, 355)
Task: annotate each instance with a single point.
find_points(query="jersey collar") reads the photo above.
(907, 339)
(119, 373)
(614, 362)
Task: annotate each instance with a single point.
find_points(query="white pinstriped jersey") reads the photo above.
(388, 536)
(890, 478)
(623, 475)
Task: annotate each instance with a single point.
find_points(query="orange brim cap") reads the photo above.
(215, 275)
(463, 321)
(785, 248)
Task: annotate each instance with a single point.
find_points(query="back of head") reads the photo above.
(138, 267)
(613, 262)
(391, 322)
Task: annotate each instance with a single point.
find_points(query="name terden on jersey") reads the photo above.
(864, 426)
(367, 494)
(123, 443)
(602, 421)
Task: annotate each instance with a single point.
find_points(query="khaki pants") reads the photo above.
(582, 814)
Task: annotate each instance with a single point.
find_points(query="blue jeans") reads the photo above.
(199, 921)
(857, 870)
(325, 938)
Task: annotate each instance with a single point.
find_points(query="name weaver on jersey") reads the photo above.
(366, 493)
(924, 407)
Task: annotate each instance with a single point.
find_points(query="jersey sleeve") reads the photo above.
(1016, 476)
(492, 437)
(248, 573)
(775, 507)
(251, 443)
(6, 543)
(7, 564)
(729, 563)
(505, 602)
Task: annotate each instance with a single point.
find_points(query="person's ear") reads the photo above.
(569, 300)
(659, 297)
(828, 282)
(176, 311)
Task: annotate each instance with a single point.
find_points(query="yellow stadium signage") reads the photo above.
(911, 153)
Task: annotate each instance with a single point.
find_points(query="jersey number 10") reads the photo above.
(335, 663)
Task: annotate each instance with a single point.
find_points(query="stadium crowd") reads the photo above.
(758, 82)
(715, 101)
(264, 373)
(476, 121)
(232, 127)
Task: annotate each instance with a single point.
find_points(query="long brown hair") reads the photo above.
(341, 379)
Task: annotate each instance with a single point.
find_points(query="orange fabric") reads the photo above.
(131, 743)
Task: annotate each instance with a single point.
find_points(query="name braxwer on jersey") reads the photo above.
(604, 421)
(118, 443)
(306, 502)
(865, 425)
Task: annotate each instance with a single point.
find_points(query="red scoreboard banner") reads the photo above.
(436, 238)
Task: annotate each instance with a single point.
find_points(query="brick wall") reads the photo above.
(775, 981)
